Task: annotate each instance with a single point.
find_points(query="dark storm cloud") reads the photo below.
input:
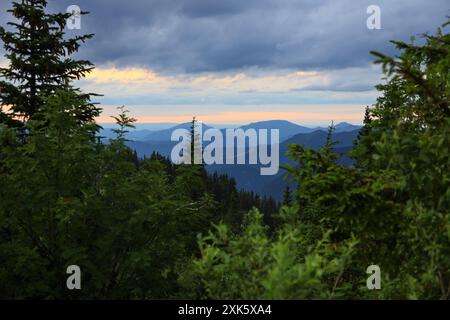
(210, 35)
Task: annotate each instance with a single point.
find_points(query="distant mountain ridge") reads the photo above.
(341, 127)
(286, 129)
(248, 176)
(165, 135)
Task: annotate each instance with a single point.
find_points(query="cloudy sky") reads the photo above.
(238, 61)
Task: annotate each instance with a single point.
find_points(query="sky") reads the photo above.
(240, 61)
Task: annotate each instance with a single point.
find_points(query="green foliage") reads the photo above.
(66, 199)
(410, 138)
(253, 265)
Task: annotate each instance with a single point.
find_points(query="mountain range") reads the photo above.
(247, 176)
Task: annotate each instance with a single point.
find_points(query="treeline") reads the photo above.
(142, 228)
(231, 204)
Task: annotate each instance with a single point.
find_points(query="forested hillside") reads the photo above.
(149, 229)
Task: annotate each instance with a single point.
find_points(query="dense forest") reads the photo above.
(150, 229)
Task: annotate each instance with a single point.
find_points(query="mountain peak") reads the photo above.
(345, 126)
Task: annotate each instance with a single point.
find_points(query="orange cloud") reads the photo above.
(115, 81)
(100, 75)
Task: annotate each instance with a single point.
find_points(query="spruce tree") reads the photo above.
(287, 197)
(124, 122)
(195, 140)
(40, 62)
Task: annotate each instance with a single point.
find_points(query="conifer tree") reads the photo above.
(287, 197)
(40, 62)
(195, 140)
(124, 122)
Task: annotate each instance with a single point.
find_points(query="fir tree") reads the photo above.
(287, 197)
(195, 141)
(39, 62)
(124, 122)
